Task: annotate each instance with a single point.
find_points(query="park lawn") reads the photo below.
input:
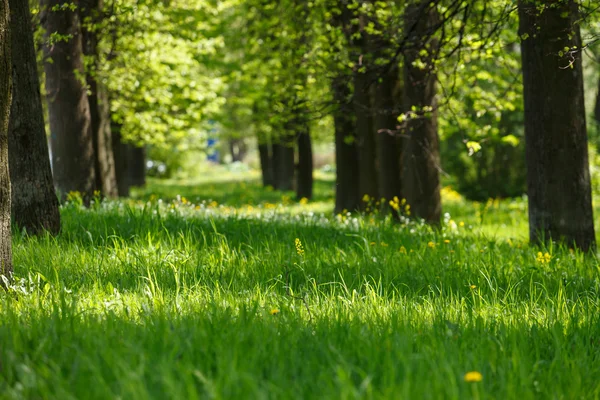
(230, 291)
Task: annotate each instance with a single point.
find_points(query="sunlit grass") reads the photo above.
(180, 297)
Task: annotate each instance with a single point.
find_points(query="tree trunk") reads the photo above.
(266, 163)
(304, 179)
(421, 153)
(68, 106)
(365, 137)
(388, 146)
(283, 163)
(120, 152)
(136, 165)
(558, 177)
(34, 201)
(104, 163)
(597, 110)
(347, 194)
(5, 100)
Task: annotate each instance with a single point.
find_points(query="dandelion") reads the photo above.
(366, 198)
(274, 311)
(447, 241)
(431, 245)
(461, 224)
(303, 201)
(402, 250)
(473, 287)
(373, 243)
(384, 244)
(299, 247)
(473, 376)
(543, 258)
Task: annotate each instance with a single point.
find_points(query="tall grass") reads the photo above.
(189, 298)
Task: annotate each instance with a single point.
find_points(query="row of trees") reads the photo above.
(370, 69)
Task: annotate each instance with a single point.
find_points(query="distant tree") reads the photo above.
(68, 105)
(91, 14)
(421, 154)
(558, 176)
(136, 164)
(34, 201)
(5, 100)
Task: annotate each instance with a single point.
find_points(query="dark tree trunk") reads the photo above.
(283, 163)
(421, 153)
(266, 163)
(304, 179)
(34, 201)
(238, 149)
(68, 106)
(347, 194)
(558, 176)
(106, 181)
(388, 146)
(121, 156)
(365, 136)
(5, 100)
(136, 165)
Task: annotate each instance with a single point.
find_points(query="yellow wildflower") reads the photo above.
(473, 286)
(473, 376)
(366, 198)
(446, 241)
(543, 258)
(274, 311)
(304, 201)
(431, 244)
(402, 249)
(299, 247)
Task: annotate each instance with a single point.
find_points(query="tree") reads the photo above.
(347, 194)
(68, 105)
(90, 13)
(34, 201)
(556, 146)
(421, 154)
(5, 101)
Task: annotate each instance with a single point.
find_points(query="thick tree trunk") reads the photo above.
(388, 146)
(283, 163)
(34, 201)
(121, 156)
(558, 176)
(365, 137)
(136, 165)
(421, 153)
(266, 163)
(5, 100)
(347, 194)
(68, 106)
(106, 181)
(304, 179)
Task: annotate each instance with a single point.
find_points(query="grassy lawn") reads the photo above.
(231, 291)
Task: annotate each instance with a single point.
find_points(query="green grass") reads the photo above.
(178, 299)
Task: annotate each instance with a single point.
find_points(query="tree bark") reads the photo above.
(104, 163)
(556, 146)
(421, 152)
(365, 137)
(34, 201)
(266, 163)
(5, 101)
(347, 193)
(388, 146)
(68, 105)
(121, 156)
(136, 165)
(283, 163)
(597, 109)
(304, 178)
